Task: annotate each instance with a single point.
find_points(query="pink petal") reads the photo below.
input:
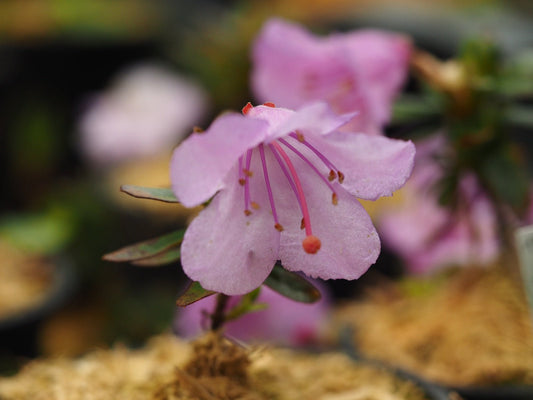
(380, 61)
(226, 251)
(201, 162)
(316, 118)
(350, 244)
(360, 71)
(349, 241)
(373, 166)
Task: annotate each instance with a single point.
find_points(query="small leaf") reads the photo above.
(146, 249)
(192, 294)
(292, 285)
(246, 305)
(166, 257)
(161, 194)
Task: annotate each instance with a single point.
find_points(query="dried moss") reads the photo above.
(473, 328)
(212, 368)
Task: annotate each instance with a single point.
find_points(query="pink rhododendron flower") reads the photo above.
(284, 321)
(359, 71)
(148, 110)
(283, 183)
(430, 236)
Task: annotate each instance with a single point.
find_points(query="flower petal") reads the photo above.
(201, 162)
(380, 60)
(227, 251)
(373, 166)
(316, 118)
(350, 243)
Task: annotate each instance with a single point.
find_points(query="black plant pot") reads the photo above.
(18, 332)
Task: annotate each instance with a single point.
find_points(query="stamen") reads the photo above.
(247, 183)
(254, 205)
(315, 169)
(242, 181)
(269, 104)
(311, 244)
(322, 157)
(334, 199)
(246, 109)
(277, 225)
(332, 175)
(300, 136)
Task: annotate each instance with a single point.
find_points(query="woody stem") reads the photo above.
(218, 317)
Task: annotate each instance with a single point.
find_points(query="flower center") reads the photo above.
(311, 244)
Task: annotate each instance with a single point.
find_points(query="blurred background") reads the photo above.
(82, 81)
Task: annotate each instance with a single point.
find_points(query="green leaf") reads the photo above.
(42, 233)
(246, 305)
(161, 194)
(146, 249)
(169, 256)
(506, 178)
(292, 285)
(412, 108)
(519, 115)
(192, 294)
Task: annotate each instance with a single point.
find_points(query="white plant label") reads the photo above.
(524, 244)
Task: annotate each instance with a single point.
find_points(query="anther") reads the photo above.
(248, 173)
(246, 109)
(302, 224)
(254, 205)
(332, 175)
(334, 199)
(300, 136)
(341, 176)
(247, 213)
(269, 104)
(242, 181)
(278, 227)
(311, 244)
(197, 129)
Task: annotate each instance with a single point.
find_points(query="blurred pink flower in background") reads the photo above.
(147, 111)
(284, 321)
(429, 236)
(358, 71)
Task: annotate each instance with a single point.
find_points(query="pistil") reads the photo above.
(311, 243)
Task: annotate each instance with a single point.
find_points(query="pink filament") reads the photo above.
(299, 189)
(322, 157)
(247, 181)
(267, 183)
(299, 154)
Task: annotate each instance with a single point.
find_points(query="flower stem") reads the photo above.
(218, 317)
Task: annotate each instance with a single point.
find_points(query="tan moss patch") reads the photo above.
(473, 328)
(214, 368)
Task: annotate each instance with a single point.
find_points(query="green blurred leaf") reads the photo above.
(520, 115)
(161, 194)
(292, 285)
(44, 233)
(146, 249)
(412, 108)
(192, 294)
(246, 305)
(169, 256)
(506, 178)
